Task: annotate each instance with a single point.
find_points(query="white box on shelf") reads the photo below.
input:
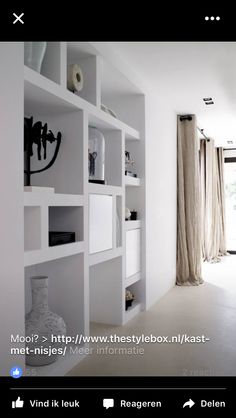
(133, 250)
(100, 223)
(132, 181)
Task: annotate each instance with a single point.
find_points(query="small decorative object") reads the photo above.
(34, 53)
(133, 215)
(75, 79)
(127, 214)
(130, 174)
(96, 156)
(128, 159)
(107, 110)
(60, 238)
(38, 134)
(41, 322)
(129, 298)
(129, 162)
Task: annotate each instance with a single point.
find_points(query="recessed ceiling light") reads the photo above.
(207, 99)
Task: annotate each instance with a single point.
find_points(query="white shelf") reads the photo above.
(104, 256)
(132, 181)
(104, 189)
(43, 96)
(129, 225)
(52, 253)
(47, 97)
(52, 199)
(102, 120)
(132, 311)
(60, 367)
(132, 136)
(132, 279)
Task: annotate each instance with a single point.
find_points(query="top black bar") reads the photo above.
(75, 22)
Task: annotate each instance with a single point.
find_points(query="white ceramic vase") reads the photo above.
(34, 54)
(41, 322)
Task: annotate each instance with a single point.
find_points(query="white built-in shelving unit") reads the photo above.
(85, 286)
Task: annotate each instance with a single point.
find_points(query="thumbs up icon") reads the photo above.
(16, 372)
(18, 403)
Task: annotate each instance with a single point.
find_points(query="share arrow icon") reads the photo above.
(190, 403)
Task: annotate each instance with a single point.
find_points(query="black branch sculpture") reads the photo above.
(38, 134)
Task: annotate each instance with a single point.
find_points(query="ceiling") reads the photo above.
(185, 72)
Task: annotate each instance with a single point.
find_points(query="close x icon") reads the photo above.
(18, 18)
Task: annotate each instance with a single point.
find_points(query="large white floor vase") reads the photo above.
(41, 322)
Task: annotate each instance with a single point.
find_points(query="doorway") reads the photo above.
(230, 203)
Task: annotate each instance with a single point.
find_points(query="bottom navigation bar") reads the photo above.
(109, 396)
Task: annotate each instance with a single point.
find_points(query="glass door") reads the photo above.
(230, 204)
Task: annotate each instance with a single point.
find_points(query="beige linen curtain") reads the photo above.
(212, 201)
(189, 258)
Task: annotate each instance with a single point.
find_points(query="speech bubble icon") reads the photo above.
(108, 403)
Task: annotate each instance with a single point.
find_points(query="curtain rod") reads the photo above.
(189, 117)
(201, 131)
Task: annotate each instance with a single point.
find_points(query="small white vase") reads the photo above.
(34, 54)
(127, 214)
(41, 322)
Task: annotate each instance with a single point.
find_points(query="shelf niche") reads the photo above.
(52, 64)
(67, 219)
(113, 155)
(89, 65)
(135, 308)
(121, 96)
(65, 290)
(105, 292)
(67, 173)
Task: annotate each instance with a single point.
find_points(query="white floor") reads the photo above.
(209, 309)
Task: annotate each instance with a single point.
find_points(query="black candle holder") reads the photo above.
(134, 215)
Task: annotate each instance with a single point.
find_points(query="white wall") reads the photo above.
(11, 207)
(160, 196)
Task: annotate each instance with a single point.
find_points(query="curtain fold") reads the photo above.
(221, 193)
(212, 201)
(188, 204)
